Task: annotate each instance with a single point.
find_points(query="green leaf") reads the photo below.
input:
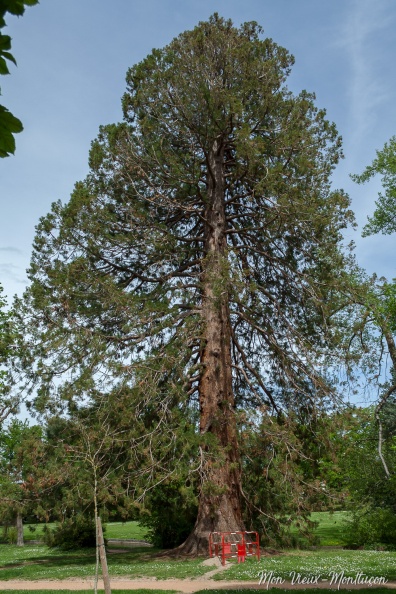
(3, 66)
(9, 125)
(5, 42)
(9, 56)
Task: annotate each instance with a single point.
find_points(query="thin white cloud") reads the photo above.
(11, 250)
(12, 272)
(366, 22)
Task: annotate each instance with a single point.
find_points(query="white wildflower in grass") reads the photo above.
(39, 562)
(373, 563)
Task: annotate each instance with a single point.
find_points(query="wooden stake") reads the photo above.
(103, 559)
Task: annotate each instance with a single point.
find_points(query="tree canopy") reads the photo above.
(9, 401)
(384, 217)
(189, 274)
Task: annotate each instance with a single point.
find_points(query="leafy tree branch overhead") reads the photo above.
(9, 124)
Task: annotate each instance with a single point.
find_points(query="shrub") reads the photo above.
(9, 535)
(73, 533)
(170, 514)
(371, 527)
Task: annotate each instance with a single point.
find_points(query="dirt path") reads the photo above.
(188, 586)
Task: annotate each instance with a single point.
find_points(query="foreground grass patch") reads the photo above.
(39, 562)
(322, 563)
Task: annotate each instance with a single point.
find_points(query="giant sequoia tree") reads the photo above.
(190, 271)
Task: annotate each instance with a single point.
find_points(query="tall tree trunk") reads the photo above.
(220, 496)
(19, 529)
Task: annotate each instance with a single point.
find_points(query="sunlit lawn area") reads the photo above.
(319, 562)
(122, 530)
(39, 562)
(126, 530)
(329, 530)
(331, 527)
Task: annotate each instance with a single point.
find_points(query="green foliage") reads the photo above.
(9, 534)
(9, 124)
(291, 467)
(74, 533)
(20, 462)
(371, 493)
(169, 514)
(9, 399)
(384, 217)
(365, 477)
(371, 527)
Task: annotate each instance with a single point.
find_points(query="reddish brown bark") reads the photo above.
(220, 496)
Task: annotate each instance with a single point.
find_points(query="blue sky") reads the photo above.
(72, 58)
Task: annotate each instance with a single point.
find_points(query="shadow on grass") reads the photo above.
(58, 564)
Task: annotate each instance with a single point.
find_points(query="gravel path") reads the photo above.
(188, 586)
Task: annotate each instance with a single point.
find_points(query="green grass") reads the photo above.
(319, 562)
(39, 562)
(125, 530)
(329, 530)
(35, 562)
(122, 530)
(331, 527)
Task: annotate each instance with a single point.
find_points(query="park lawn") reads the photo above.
(330, 529)
(125, 530)
(39, 562)
(122, 530)
(35, 562)
(319, 562)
